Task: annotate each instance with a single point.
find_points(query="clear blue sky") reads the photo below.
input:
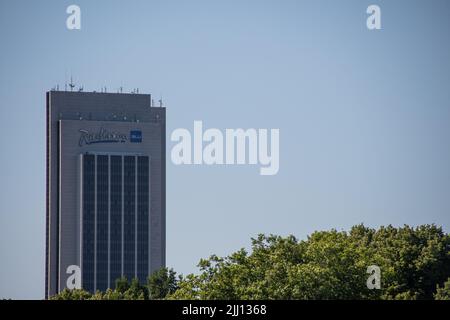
(364, 116)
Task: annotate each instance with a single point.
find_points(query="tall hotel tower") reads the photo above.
(106, 182)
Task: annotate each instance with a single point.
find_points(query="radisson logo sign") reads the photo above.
(101, 136)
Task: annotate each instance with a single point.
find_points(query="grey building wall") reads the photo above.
(67, 114)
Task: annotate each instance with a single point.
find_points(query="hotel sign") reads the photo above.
(106, 136)
(101, 136)
(136, 136)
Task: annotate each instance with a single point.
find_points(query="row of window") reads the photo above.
(109, 170)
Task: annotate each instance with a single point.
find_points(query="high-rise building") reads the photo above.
(106, 184)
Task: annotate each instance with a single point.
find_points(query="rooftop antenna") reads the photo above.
(121, 89)
(71, 84)
(160, 102)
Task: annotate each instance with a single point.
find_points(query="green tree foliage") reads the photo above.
(136, 291)
(444, 292)
(76, 294)
(328, 265)
(122, 285)
(162, 283)
(414, 263)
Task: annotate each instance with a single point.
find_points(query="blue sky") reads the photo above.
(364, 116)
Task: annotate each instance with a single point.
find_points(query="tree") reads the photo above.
(122, 285)
(444, 292)
(328, 265)
(75, 294)
(136, 291)
(161, 283)
(112, 295)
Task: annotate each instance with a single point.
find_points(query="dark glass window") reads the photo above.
(116, 219)
(129, 216)
(143, 218)
(122, 216)
(88, 223)
(102, 222)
